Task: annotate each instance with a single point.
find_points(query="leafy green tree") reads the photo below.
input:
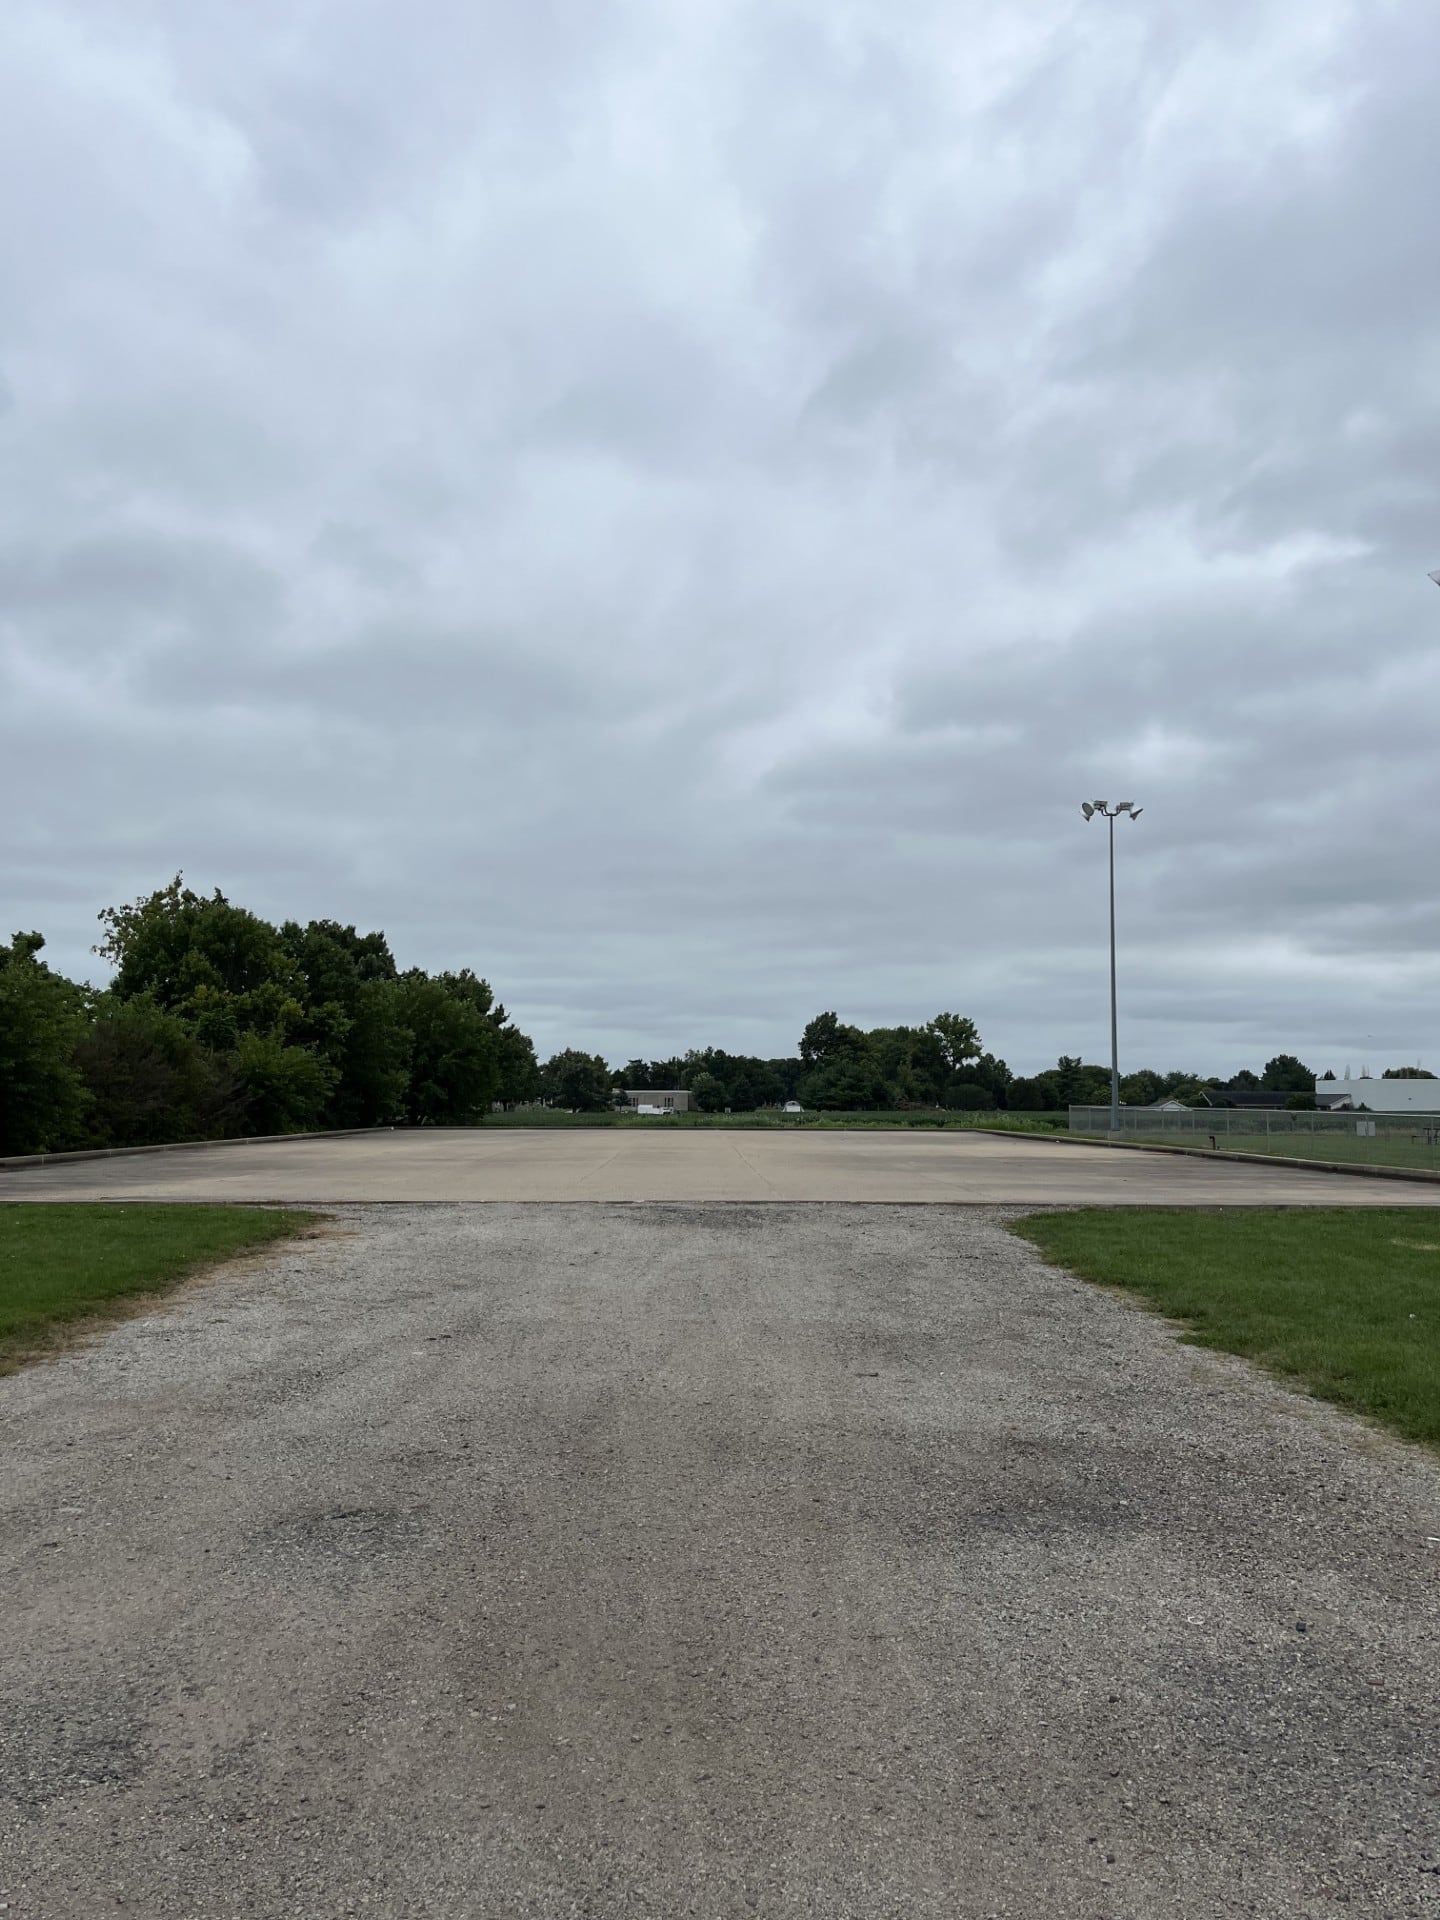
(353, 1018)
(958, 1038)
(203, 958)
(826, 1041)
(519, 1070)
(1141, 1089)
(1244, 1081)
(42, 1017)
(374, 1058)
(1070, 1081)
(988, 1073)
(968, 1096)
(455, 1056)
(579, 1081)
(1400, 1073)
(1286, 1074)
(708, 1093)
(150, 1080)
(1030, 1094)
(284, 1089)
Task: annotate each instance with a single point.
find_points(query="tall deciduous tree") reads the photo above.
(1286, 1074)
(42, 1018)
(579, 1081)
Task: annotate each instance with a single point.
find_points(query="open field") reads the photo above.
(64, 1264)
(1345, 1304)
(1399, 1140)
(636, 1562)
(1397, 1147)
(671, 1164)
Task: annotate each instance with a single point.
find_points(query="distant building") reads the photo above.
(658, 1099)
(1380, 1096)
(1257, 1097)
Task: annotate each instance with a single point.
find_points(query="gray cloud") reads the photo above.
(676, 508)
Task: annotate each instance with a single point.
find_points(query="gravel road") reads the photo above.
(657, 1561)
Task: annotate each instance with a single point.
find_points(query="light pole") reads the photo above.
(1090, 808)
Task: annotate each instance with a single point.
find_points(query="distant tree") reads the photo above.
(1402, 1073)
(708, 1093)
(991, 1074)
(1286, 1074)
(42, 1017)
(1141, 1089)
(1069, 1079)
(1029, 1095)
(968, 1096)
(1300, 1103)
(519, 1070)
(1244, 1080)
(850, 1084)
(579, 1081)
(826, 1041)
(958, 1038)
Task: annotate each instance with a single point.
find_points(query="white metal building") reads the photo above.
(1380, 1096)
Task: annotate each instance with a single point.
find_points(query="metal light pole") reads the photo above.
(1111, 814)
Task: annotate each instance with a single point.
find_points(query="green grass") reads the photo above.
(1345, 1303)
(62, 1265)
(1395, 1148)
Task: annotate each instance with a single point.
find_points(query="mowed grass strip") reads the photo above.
(61, 1265)
(1343, 1302)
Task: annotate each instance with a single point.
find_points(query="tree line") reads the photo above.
(217, 1023)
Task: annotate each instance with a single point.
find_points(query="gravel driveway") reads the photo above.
(617, 1561)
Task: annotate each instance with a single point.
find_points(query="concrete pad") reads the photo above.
(467, 1164)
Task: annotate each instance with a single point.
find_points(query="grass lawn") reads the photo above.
(1395, 1147)
(1344, 1302)
(61, 1264)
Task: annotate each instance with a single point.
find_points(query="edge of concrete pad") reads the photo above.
(1221, 1153)
(23, 1160)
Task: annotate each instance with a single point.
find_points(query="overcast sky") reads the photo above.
(675, 505)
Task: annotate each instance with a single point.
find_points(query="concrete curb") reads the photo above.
(182, 1146)
(1221, 1153)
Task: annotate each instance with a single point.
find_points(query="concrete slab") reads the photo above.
(466, 1164)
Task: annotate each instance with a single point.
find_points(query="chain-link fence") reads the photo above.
(1370, 1139)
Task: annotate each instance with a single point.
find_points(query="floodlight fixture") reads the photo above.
(1110, 815)
(1435, 576)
